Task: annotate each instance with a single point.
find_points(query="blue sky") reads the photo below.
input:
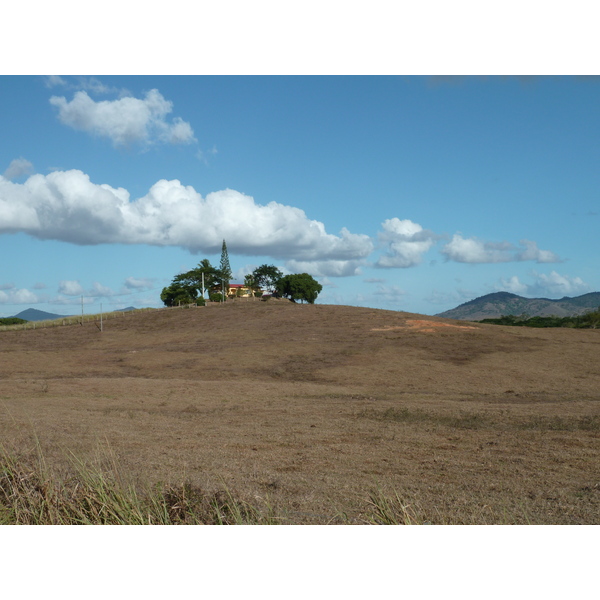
(399, 192)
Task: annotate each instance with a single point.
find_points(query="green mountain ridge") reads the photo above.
(498, 304)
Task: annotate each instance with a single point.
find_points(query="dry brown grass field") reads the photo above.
(319, 414)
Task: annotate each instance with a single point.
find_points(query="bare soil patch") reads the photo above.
(311, 408)
(424, 326)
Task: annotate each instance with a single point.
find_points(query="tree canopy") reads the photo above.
(267, 276)
(251, 284)
(186, 287)
(193, 278)
(178, 293)
(299, 287)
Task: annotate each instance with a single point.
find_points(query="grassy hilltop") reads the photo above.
(278, 412)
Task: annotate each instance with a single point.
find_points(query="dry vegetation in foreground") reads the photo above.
(271, 412)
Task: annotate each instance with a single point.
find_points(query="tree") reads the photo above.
(193, 278)
(299, 287)
(267, 276)
(178, 293)
(225, 275)
(250, 283)
(186, 287)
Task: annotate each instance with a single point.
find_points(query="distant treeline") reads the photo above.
(12, 321)
(590, 320)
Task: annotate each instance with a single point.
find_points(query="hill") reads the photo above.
(315, 411)
(493, 306)
(32, 314)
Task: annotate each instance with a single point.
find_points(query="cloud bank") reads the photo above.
(67, 206)
(473, 250)
(18, 296)
(546, 285)
(125, 121)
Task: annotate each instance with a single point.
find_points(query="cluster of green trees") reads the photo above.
(589, 320)
(12, 321)
(190, 287)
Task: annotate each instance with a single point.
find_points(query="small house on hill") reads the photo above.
(238, 290)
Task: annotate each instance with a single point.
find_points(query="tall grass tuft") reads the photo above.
(391, 510)
(29, 495)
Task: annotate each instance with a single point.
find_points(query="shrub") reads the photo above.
(301, 287)
(217, 297)
(177, 294)
(12, 321)
(201, 301)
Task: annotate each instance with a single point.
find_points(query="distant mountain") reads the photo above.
(493, 306)
(125, 309)
(32, 314)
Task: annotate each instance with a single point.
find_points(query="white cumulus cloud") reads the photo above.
(54, 80)
(137, 283)
(513, 285)
(97, 87)
(91, 84)
(560, 285)
(125, 121)
(69, 291)
(473, 250)
(18, 296)
(70, 288)
(67, 206)
(100, 291)
(17, 168)
(551, 285)
(406, 242)
(532, 252)
(326, 268)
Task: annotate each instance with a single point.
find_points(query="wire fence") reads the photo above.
(98, 318)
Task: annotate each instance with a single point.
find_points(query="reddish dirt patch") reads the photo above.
(423, 325)
(430, 326)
